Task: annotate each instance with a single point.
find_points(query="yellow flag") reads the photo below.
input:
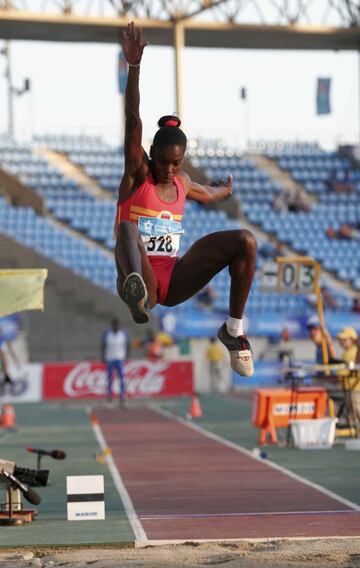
(21, 290)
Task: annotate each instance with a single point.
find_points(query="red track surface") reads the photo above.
(186, 486)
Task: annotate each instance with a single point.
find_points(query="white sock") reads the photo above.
(234, 326)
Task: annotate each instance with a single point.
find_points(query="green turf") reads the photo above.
(336, 469)
(66, 427)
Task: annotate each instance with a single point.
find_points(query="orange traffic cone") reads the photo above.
(8, 418)
(195, 410)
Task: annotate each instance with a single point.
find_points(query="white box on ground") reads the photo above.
(85, 497)
(314, 434)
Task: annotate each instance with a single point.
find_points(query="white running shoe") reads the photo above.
(240, 352)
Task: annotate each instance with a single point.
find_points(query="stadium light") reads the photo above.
(12, 91)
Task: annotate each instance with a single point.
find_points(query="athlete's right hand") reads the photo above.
(132, 44)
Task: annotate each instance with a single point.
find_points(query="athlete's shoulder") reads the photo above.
(185, 180)
(134, 178)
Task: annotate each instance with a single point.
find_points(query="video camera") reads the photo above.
(19, 479)
(31, 477)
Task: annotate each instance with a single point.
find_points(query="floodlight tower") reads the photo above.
(11, 90)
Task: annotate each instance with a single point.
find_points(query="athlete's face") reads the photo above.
(166, 162)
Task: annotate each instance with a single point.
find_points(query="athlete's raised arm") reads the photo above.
(206, 193)
(135, 158)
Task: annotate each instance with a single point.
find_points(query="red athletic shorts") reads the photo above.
(163, 267)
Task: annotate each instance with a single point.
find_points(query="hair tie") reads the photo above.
(171, 123)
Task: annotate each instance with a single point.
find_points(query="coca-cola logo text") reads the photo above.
(143, 378)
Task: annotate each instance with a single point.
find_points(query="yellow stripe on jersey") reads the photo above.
(135, 209)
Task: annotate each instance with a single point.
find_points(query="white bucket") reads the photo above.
(315, 434)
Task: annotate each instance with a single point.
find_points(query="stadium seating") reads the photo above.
(74, 253)
(97, 159)
(93, 217)
(306, 232)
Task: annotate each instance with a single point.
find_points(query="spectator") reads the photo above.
(346, 231)
(331, 233)
(334, 183)
(356, 305)
(328, 299)
(296, 202)
(215, 356)
(348, 339)
(278, 347)
(345, 185)
(285, 353)
(114, 351)
(316, 333)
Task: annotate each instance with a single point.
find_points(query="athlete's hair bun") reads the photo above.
(169, 133)
(169, 120)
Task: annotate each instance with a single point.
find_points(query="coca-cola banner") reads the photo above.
(144, 378)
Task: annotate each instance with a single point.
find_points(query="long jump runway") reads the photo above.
(180, 482)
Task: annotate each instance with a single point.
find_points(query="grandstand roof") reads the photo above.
(73, 28)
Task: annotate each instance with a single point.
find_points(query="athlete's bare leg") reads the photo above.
(208, 256)
(130, 256)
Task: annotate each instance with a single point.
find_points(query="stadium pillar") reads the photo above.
(179, 41)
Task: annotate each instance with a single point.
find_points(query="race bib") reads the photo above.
(161, 236)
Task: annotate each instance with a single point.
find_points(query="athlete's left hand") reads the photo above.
(132, 44)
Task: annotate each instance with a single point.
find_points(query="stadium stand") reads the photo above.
(336, 183)
(86, 250)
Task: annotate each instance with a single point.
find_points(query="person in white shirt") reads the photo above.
(114, 351)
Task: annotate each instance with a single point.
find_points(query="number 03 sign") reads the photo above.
(295, 277)
(300, 275)
(291, 274)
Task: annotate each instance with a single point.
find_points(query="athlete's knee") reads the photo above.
(247, 241)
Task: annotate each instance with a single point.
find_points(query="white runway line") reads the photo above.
(134, 520)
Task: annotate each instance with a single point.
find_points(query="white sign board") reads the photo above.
(85, 497)
(298, 277)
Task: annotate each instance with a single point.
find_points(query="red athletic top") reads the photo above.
(145, 204)
(162, 219)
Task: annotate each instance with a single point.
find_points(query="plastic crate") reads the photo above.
(315, 434)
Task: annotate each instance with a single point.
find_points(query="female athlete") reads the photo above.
(148, 227)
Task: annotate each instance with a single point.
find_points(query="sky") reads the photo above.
(74, 91)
